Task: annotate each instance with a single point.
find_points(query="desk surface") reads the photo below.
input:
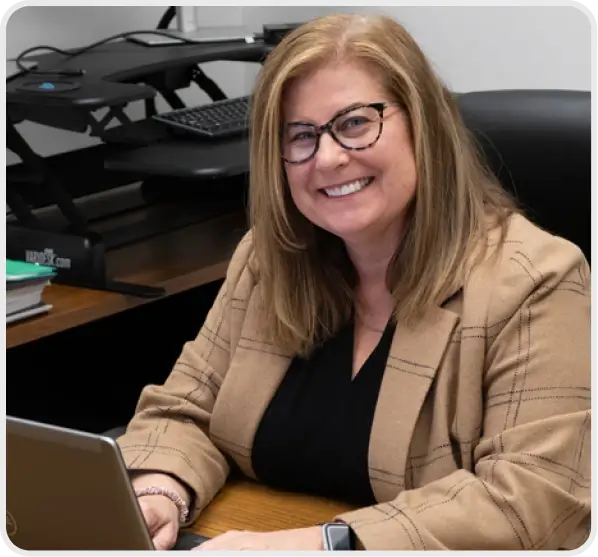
(246, 505)
(178, 260)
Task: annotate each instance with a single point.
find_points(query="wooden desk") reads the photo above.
(246, 505)
(178, 260)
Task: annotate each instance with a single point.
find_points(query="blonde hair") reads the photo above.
(306, 278)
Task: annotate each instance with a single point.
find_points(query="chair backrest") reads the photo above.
(538, 143)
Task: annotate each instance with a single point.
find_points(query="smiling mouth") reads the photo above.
(348, 189)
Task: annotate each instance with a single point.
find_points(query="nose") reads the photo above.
(330, 154)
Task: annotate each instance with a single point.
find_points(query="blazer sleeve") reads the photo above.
(169, 430)
(530, 483)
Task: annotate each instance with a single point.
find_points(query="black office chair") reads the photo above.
(538, 143)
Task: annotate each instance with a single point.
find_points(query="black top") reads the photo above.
(314, 435)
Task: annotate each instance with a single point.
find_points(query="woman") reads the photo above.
(391, 331)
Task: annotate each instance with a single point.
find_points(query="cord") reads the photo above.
(167, 18)
(76, 52)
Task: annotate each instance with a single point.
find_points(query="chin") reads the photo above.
(347, 231)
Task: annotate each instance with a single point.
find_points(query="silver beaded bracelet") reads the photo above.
(171, 494)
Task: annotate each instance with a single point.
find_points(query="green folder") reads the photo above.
(17, 271)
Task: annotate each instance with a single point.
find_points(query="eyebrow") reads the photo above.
(337, 113)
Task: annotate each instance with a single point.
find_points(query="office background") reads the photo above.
(89, 376)
(473, 48)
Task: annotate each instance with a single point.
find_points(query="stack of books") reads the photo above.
(25, 283)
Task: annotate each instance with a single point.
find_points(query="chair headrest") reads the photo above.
(538, 143)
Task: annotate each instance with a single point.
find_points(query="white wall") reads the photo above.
(483, 47)
(471, 47)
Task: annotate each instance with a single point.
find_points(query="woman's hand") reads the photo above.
(289, 540)
(162, 518)
(160, 512)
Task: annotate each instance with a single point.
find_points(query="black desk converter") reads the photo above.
(111, 73)
(113, 70)
(115, 74)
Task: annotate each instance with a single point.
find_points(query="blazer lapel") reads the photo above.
(255, 372)
(415, 354)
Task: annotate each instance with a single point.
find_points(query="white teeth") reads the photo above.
(348, 188)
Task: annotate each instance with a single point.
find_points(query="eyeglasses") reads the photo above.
(354, 129)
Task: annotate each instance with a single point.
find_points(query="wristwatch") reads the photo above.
(337, 536)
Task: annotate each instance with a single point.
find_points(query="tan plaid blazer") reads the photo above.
(481, 434)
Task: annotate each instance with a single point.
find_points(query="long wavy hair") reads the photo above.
(306, 278)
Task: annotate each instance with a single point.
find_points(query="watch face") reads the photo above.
(337, 536)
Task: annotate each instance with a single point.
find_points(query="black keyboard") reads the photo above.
(219, 119)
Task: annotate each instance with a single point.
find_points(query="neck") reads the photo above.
(371, 256)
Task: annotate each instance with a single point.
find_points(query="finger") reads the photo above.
(151, 517)
(166, 537)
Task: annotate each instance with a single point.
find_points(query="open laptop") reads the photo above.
(69, 490)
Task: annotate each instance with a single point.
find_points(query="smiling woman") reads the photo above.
(414, 152)
(392, 331)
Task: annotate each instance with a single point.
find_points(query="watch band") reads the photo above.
(337, 536)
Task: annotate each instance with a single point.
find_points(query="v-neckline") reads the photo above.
(388, 329)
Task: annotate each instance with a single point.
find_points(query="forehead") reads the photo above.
(318, 95)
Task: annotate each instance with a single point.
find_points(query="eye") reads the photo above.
(303, 136)
(353, 122)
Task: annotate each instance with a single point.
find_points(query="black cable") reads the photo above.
(25, 70)
(166, 19)
(76, 52)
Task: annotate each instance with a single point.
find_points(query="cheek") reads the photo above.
(297, 178)
(396, 155)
